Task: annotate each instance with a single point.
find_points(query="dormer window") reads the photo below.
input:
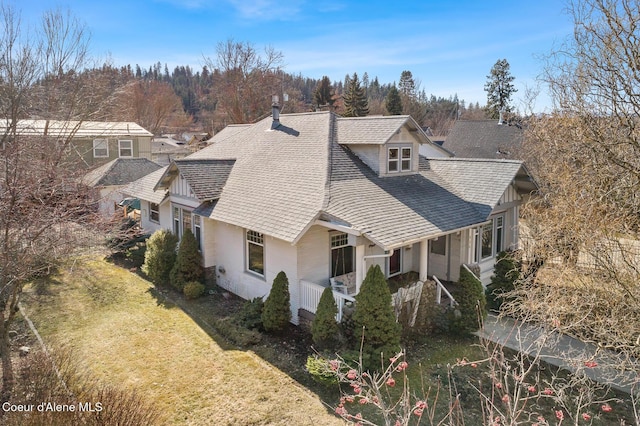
(399, 159)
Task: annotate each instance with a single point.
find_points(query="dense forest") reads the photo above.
(237, 87)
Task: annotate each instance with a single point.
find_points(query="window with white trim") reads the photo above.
(154, 212)
(176, 222)
(488, 240)
(398, 159)
(342, 255)
(125, 148)
(100, 148)
(197, 230)
(255, 252)
(394, 263)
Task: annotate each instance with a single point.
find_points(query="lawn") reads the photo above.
(128, 336)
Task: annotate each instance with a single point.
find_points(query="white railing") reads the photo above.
(310, 294)
(471, 272)
(439, 289)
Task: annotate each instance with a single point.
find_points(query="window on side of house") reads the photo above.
(439, 246)
(255, 252)
(154, 212)
(100, 148)
(176, 222)
(342, 255)
(405, 163)
(125, 148)
(395, 262)
(487, 240)
(499, 221)
(393, 158)
(197, 230)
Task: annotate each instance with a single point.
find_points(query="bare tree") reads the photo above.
(247, 79)
(583, 249)
(42, 206)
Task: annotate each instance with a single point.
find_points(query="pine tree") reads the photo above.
(375, 315)
(355, 99)
(160, 256)
(276, 313)
(188, 266)
(393, 101)
(499, 88)
(323, 95)
(471, 303)
(407, 84)
(324, 328)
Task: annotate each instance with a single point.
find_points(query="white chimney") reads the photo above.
(275, 107)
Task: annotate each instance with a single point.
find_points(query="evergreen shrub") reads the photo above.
(188, 264)
(160, 256)
(276, 313)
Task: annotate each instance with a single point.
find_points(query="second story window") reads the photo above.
(125, 148)
(399, 160)
(100, 148)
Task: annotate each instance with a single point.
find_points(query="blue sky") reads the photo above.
(449, 46)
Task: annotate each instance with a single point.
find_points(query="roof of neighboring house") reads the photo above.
(120, 171)
(284, 179)
(484, 139)
(79, 129)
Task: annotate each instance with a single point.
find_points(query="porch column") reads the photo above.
(359, 267)
(424, 259)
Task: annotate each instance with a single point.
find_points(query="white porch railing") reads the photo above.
(310, 294)
(439, 289)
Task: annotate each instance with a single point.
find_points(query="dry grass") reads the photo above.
(126, 337)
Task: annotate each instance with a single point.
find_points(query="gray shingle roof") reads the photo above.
(120, 171)
(143, 188)
(375, 130)
(283, 179)
(206, 178)
(484, 139)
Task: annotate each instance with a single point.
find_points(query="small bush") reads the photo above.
(160, 256)
(235, 333)
(471, 303)
(277, 309)
(250, 315)
(320, 370)
(325, 330)
(193, 290)
(506, 273)
(188, 264)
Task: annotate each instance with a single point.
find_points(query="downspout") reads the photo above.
(372, 256)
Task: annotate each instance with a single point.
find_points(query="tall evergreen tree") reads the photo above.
(407, 85)
(374, 314)
(393, 102)
(355, 99)
(325, 330)
(323, 95)
(188, 265)
(499, 88)
(276, 313)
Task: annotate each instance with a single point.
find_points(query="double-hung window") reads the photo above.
(399, 159)
(100, 148)
(488, 240)
(125, 148)
(342, 255)
(197, 230)
(255, 252)
(154, 212)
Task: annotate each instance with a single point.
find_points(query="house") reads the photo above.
(485, 139)
(108, 180)
(323, 198)
(93, 142)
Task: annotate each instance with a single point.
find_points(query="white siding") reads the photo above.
(180, 188)
(165, 217)
(314, 256)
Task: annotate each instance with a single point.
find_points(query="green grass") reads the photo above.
(128, 337)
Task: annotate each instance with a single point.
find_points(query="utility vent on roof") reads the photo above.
(275, 106)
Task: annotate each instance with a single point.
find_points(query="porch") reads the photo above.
(406, 286)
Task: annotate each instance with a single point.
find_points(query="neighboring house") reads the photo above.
(110, 178)
(323, 198)
(165, 149)
(93, 142)
(485, 139)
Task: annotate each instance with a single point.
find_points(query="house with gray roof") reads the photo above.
(91, 143)
(485, 139)
(108, 180)
(323, 198)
